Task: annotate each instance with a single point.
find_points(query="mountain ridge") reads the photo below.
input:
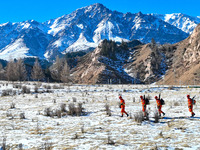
(82, 30)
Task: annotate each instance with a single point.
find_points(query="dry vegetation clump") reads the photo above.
(63, 107)
(26, 90)
(8, 92)
(156, 117)
(22, 115)
(110, 141)
(47, 145)
(17, 86)
(58, 87)
(48, 87)
(75, 111)
(12, 105)
(139, 117)
(48, 112)
(108, 111)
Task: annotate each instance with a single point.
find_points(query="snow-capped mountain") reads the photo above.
(83, 30)
(184, 22)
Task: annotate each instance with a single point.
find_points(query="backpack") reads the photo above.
(147, 101)
(193, 102)
(162, 102)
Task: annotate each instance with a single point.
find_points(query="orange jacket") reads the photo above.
(190, 102)
(122, 103)
(143, 101)
(158, 102)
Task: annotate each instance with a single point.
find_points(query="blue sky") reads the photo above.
(43, 10)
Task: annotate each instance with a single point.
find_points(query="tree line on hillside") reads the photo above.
(16, 70)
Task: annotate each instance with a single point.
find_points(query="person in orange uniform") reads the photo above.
(143, 105)
(190, 105)
(122, 104)
(159, 106)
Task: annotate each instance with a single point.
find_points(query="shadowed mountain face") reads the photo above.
(84, 29)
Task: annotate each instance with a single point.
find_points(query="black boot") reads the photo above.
(163, 114)
(193, 114)
(121, 115)
(127, 115)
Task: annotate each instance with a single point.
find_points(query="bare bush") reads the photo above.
(22, 115)
(59, 113)
(48, 112)
(36, 89)
(26, 90)
(58, 87)
(12, 105)
(75, 111)
(17, 86)
(109, 141)
(47, 145)
(139, 117)
(74, 99)
(108, 111)
(63, 107)
(20, 146)
(4, 144)
(156, 117)
(47, 87)
(79, 109)
(7, 92)
(9, 114)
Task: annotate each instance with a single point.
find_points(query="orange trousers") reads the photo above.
(123, 110)
(159, 109)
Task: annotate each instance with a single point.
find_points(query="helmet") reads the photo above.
(156, 97)
(120, 97)
(141, 96)
(188, 96)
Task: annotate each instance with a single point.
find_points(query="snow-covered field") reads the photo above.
(97, 130)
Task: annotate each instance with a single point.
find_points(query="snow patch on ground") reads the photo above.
(92, 131)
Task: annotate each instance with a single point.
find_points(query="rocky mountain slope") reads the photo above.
(105, 65)
(186, 61)
(142, 63)
(84, 29)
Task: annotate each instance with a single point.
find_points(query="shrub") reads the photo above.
(48, 112)
(25, 89)
(63, 107)
(47, 87)
(12, 105)
(75, 111)
(7, 92)
(36, 89)
(59, 113)
(108, 111)
(74, 99)
(156, 117)
(4, 144)
(110, 142)
(139, 117)
(22, 115)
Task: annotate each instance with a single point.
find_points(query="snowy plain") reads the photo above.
(96, 130)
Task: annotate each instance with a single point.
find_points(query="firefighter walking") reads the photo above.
(191, 102)
(143, 105)
(159, 106)
(122, 105)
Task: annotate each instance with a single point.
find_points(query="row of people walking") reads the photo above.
(159, 102)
